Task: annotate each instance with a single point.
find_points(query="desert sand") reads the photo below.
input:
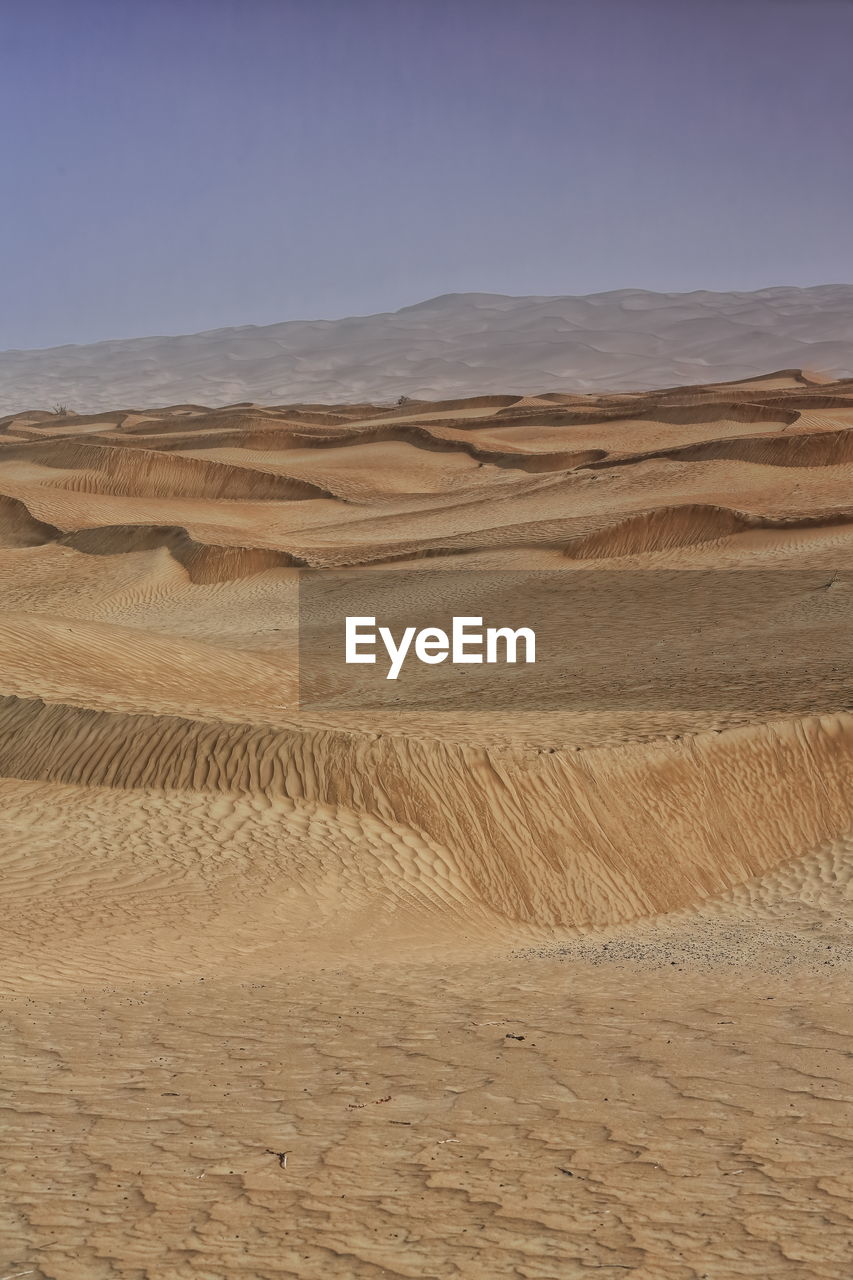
(458, 344)
(434, 994)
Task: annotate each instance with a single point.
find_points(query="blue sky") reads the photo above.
(171, 167)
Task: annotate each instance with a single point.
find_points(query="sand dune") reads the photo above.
(325, 991)
(454, 346)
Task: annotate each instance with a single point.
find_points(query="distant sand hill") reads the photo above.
(457, 345)
(428, 994)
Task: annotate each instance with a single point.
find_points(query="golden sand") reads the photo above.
(414, 994)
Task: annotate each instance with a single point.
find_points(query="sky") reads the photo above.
(170, 166)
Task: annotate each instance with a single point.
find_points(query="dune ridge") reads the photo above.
(459, 345)
(530, 834)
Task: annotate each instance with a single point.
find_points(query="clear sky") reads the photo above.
(176, 165)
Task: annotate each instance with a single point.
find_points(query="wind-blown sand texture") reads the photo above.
(293, 994)
(459, 344)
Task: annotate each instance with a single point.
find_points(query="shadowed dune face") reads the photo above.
(410, 950)
(19, 529)
(203, 563)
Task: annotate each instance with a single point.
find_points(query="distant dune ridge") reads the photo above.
(460, 344)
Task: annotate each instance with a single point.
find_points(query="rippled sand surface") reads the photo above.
(416, 994)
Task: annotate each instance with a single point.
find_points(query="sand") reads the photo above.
(418, 993)
(459, 344)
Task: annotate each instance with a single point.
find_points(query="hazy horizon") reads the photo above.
(178, 169)
(408, 306)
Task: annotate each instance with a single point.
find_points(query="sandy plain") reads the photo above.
(416, 994)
